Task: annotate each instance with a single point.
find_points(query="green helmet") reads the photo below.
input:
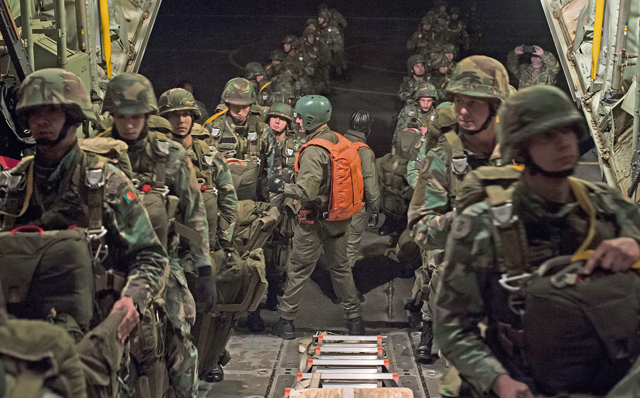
(308, 32)
(532, 111)
(512, 90)
(433, 47)
(454, 11)
(281, 110)
(312, 21)
(290, 39)
(55, 87)
(178, 99)
(439, 60)
(425, 89)
(480, 76)
(413, 61)
(239, 91)
(253, 70)
(325, 13)
(278, 55)
(314, 110)
(445, 115)
(448, 48)
(130, 94)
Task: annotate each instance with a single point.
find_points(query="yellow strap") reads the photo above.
(584, 202)
(212, 118)
(27, 199)
(263, 87)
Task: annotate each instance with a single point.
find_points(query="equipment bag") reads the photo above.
(112, 149)
(254, 223)
(39, 357)
(395, 191)
(347, 186)
(45, 273)
(245, 177)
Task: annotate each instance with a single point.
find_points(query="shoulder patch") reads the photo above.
(114, 181)
(461, 227)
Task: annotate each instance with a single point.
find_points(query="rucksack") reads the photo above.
(594, 339)
(347, 185)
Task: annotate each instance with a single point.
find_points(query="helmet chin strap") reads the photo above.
(534, 169)
(68, 122)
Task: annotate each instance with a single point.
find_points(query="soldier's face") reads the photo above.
(536, 62)
(471, 112)
(46, 122)
(320, 20)
(287, 47)
(418, 69)
(275, 62)
(426, 103)
(277, 124)
(299, 122)
(454, 17)
(426, 27)
(259, 78)
(239, 113)
(449, 56)
(311, 39)
(189, 88)
(443, 69)
(180, 121)
(129, 126)
(555, 150)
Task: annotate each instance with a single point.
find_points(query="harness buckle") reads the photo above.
(94, 178)
(507, 281)
(99, 250)
(503, 214)
(460, 166)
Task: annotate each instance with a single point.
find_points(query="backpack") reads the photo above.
(395, 191)
(594, 340)
(347, 185)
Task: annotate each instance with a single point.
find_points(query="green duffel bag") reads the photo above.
(244, 174)
(395, 191)
(45, 273)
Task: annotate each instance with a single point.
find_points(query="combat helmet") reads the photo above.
(314, 110)
(281, 110)
(55, 87)
(308, 32)
(425, 90)
(252, 70)
(277, 55)
(480, 76)
(239, 91)
(130, 94)
(324, 13)
(432, 47)
(312, 21)
(445, 115)
(290, 39)
(413, 61)
(455, 10)
(438, 60)
(532, 111)
(178, 99)
(448, 48)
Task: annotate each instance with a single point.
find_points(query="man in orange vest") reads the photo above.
(314, 232)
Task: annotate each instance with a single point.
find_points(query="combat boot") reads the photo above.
(423, 352)
(216, 375)
(284, 329)
(356, 327)
(254, 322)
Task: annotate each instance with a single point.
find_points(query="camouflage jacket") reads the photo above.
(369, 174)
(60, 201)
(418, 40)
(180, 180)
(527, 75)
(411, 117)
(211, 169)
(332, 37)
(457, 34)
(470, 293)
(313, 182)
(407, 88)
(433, 203)
(439, 81)
(281, 159)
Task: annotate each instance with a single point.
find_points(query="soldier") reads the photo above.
(438, 16)
(53, 103)
(439, 73)
(255, 73)
(415, 67)
(277, 57)
(331, 35)
(188, 85)
(285, 145)
(313, 189)
(237, 131)
(548, 347)
(421, 37)
(163, 167)
(543, 68)
(359, 128)
(478, 85)
(417, 114)
(449, 50)
(336, 17)
(457, 30)
(289, 44)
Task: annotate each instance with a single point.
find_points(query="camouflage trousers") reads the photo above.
(428, 278)
(358, 224)
(180, 353)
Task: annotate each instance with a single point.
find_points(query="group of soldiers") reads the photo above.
(162, 232)
(303, 65)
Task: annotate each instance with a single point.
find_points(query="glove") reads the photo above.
(205, 291)
(276, 185)
(373, 220)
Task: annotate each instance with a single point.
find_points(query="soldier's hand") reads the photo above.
(538, 50)
(205, 291)
(130, 320)
(616, 255)
(505, 387)
(276, 185)
(423, 130)
(519, 50)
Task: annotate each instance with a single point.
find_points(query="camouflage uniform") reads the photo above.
(272, 69)
(408, 85)
(129, 93)
(470, 293)
(436, 78)
(252, 71)
(331, 35)
(457, 31)
(432, 206)
(421, 37)
(413, 117)
(61, 202)
(527, 75)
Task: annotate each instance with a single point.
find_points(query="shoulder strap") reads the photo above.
(215, 116)
(16, 183)
(360, 145)
(263, 87)
(459, 163)
(160, 147)
(94, 179)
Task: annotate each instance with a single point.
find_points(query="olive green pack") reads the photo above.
(395, 191)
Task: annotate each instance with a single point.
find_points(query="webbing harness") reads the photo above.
(459, 163)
